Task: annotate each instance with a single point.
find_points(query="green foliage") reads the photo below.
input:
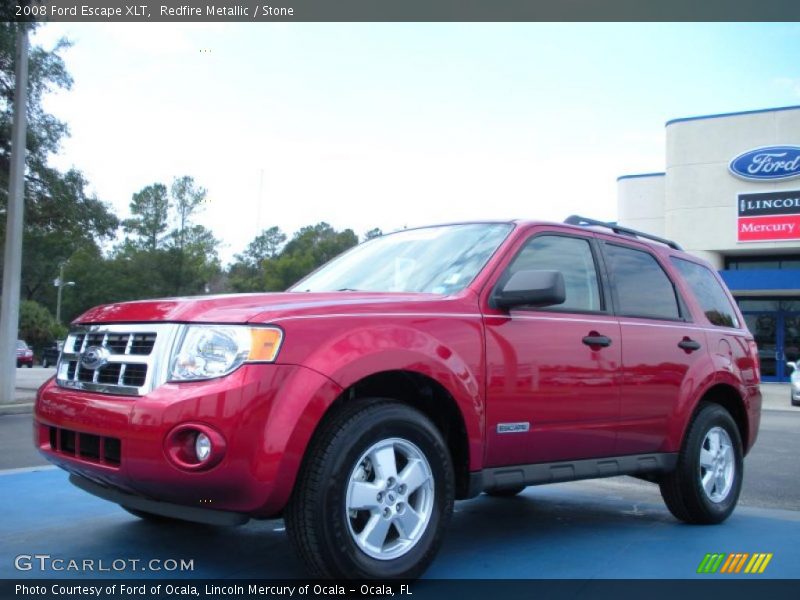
(262, 267)
(60, 216)
(36, 325)
(149, 209)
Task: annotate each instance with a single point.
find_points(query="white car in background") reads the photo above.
(794, 383)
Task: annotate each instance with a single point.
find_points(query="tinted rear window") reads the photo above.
(709, 293)
(643, 288)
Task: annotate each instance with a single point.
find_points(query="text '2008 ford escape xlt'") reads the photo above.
(420, 367)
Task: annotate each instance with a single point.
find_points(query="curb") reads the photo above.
(18, 408)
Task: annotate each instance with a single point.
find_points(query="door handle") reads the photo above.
(689, 345)
(595, 339)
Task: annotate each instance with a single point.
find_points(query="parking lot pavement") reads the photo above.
(549, 532)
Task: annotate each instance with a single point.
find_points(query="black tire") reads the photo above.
(323, 529)
(505, 492)
(682, 489)
(30, 365)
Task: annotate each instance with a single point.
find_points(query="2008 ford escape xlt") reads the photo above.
(420, 367)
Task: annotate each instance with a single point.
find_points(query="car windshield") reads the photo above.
(437, 260)
(21, 345)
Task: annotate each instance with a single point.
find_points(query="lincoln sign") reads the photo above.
(769, 216)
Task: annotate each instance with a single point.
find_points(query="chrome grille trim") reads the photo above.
(155, 362)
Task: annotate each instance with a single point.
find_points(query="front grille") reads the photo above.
(131, 360)
(86, 446)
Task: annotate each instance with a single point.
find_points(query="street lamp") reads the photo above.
(60, 283)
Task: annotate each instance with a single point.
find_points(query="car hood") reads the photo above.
(254, 308)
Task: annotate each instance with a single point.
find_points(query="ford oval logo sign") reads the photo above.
(94, 357)
(767, 164)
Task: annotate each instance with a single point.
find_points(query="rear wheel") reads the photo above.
(505, 492)
(705, 486)
(374, 495)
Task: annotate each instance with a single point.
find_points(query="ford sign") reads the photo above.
(767, 164)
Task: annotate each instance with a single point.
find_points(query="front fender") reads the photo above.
(356, 352)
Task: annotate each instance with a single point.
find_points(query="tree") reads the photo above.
(321, 241)
(247, 273)
(60, 215)
(189, 242)
(150, 210)
(309, 248)
(36, 325)
(265, 246)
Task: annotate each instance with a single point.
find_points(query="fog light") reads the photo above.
(202, 447)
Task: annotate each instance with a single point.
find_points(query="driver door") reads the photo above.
(552, 394)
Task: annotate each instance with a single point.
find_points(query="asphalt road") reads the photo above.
(772, 474)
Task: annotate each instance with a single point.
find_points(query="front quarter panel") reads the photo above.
(447, 347)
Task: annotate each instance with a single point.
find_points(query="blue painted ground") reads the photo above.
(560, 532)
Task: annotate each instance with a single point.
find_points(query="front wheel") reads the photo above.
(705, 486)
(374, 495)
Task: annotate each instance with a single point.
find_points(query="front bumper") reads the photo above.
(265, 412)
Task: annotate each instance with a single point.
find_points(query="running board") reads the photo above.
(541, 473)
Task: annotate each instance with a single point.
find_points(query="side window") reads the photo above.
(643, 288)
(709, 293)
(573, 257)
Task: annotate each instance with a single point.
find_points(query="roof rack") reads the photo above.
(584, 222)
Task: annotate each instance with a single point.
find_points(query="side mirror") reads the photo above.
(531, 288)
(792, 365)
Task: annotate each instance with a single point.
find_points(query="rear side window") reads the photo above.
(574, 258)
(709, 293)
(643, 288)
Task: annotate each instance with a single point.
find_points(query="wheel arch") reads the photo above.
(729, 398)
(425, 394)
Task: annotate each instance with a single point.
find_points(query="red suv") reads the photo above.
(420, 367)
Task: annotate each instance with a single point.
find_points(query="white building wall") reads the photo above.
(700, 207)
(695, 201)
(640, 203)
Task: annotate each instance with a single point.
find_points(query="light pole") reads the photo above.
(12, 257)
(60, 283)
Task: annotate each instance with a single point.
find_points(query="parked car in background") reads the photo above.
(24, 354)
(51, 352)
(794, 384)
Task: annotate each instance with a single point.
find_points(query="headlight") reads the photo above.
(208, 351)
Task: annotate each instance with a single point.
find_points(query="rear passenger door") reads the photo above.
(658, 349)
(552, 395)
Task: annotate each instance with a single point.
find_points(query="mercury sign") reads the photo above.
(772, 163)
(769, 216)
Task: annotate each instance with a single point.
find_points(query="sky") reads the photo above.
(398, 124)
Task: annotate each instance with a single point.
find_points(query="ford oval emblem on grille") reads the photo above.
(94, 357)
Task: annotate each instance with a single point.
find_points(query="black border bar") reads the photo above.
(399, 10)
(712, 586)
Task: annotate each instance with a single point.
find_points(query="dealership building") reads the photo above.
(730, 193)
